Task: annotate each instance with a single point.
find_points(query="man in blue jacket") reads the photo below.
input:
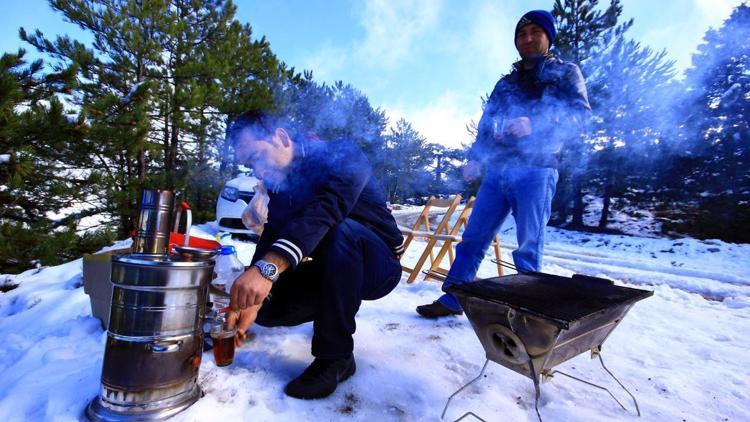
(325, 205)
(530, 114)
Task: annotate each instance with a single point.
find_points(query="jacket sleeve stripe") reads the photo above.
(289, 247)
(293, 246)
(289, 252)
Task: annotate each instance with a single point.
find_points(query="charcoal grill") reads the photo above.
(532, 322)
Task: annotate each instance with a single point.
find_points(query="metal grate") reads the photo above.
(561, 300)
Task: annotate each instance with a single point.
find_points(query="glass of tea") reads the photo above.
(498, 127)
(223, 339)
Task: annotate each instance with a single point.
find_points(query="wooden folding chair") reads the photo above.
(436, 271)
(422, 229)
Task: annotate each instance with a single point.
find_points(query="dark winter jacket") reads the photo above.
(552, 95)
(327, 183)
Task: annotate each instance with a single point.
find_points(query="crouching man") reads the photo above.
(325, 205)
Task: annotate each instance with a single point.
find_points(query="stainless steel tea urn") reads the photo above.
(155, 338)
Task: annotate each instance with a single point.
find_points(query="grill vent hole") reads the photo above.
(507, 345)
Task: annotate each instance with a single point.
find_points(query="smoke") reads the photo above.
(332, 112)
(643, 112)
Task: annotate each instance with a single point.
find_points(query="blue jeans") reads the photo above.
(527, 192)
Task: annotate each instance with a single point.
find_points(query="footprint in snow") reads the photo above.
(349, 407)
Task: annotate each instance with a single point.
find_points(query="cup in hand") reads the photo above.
(498, 127)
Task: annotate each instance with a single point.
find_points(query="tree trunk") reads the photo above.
(605, 206)
(562, 200)
(199, 184)
(121, 201)
(175, 135)
(171, 176)
(577, 204)
(141, 147)
(141, 164)
(165, 141)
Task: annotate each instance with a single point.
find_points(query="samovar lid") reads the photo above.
(159, 261)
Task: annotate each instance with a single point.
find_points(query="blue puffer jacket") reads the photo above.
(327, 183)
(552, 95)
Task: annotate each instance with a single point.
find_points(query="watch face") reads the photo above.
(268, 270)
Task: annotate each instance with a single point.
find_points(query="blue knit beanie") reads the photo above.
(543, 18)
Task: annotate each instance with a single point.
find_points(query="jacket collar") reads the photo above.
(538, 64)
(541, 62)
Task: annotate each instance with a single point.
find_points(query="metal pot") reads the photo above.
(155, 338)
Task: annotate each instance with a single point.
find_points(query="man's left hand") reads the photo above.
(519, 127)
(250, 289)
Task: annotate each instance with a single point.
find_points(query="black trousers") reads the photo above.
(351, 264)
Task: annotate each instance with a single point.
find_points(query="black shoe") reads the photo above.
(436, 310)
(321, 378)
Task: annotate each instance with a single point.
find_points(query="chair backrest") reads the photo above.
(423, 221)
(439, 273)
(463, 221)
(463, 217)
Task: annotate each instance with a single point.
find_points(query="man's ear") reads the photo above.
(283, 136)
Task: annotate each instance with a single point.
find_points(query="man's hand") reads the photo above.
(520, 126)
(243, 320)
(250, 289)
(472, 170)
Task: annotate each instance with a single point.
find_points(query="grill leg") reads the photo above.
(637, 409)
(461, 389)
(635, 402)
(537, 389)
(467, 414)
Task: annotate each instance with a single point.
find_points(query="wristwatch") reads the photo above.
(268, 270)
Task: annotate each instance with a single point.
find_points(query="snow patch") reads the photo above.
(682, 352)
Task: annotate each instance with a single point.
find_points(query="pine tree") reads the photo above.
(156, 88)
(335, 112)
(583, 31)
(45, 187)
(633, 85)
(713, 160)
(406, 174)
(628, 86)
(447, 169)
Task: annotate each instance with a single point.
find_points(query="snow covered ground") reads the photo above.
(682, 352)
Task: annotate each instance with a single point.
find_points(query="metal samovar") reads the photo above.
(155, 336)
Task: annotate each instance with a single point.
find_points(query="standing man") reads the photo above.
(325, 205)
(530, 114)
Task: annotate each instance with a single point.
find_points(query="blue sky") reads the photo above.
(429, 61)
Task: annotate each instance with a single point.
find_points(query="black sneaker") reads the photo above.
(321, 378)
(436, 310)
